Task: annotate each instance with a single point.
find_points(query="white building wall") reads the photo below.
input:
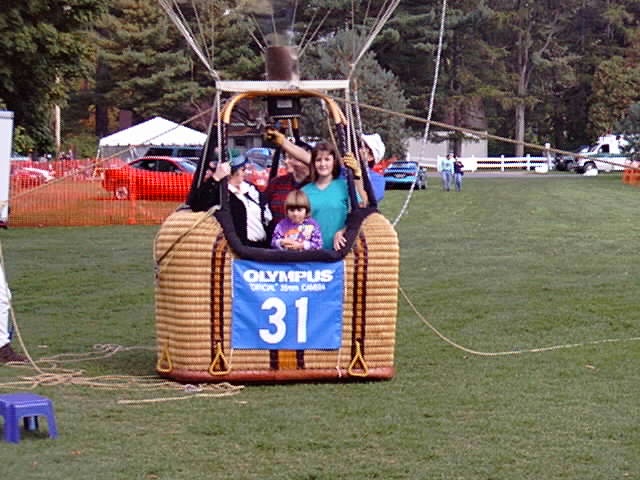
(6, 146)
(428, 152)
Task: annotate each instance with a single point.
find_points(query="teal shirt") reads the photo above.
(446, 165)
(329, 207)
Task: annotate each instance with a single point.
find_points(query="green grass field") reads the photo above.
(508, 264)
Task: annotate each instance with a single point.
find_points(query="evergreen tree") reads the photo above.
(143, 71)
(225, 31)
(409, 47)
(615, 83)
(599, 31)
(146, 66)
(331, 58)
(555, 67)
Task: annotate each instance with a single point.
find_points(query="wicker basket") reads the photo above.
(193, 310)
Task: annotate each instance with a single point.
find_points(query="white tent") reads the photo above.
(134, 141)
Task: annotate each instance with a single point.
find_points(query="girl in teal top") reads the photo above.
(328, 195)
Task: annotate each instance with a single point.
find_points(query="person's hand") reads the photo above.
(218, 171)
(339, 240)
(351, 162)
(291, 244)
(274, 136)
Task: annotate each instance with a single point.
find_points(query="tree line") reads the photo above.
(538, 72)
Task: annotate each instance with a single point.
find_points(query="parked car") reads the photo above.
(404, 173)
(166, 178)
(157, 178)
(29, 177)
(568, 162)
(188, 152)
(261, 156)
(259, 166)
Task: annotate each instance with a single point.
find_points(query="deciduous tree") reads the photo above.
(43, 50)
(525, 34)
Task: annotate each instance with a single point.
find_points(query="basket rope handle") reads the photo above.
(358, 359)
(220, 360)
(165, 358)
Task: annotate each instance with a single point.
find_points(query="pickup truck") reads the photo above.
(607, 154)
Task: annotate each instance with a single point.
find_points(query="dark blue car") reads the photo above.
(403, 173)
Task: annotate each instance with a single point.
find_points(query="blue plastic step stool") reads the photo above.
(28, 406)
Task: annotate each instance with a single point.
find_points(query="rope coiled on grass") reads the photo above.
(508, 352)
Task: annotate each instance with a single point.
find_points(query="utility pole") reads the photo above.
(56, 124)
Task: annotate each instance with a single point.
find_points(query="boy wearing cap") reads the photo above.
(248, 206)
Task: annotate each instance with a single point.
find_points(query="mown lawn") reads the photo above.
(507, 265)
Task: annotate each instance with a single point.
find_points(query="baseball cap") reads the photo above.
(237, 162)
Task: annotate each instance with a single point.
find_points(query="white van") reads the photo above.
(605, 155)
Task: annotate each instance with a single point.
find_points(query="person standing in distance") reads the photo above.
(457, 172)
(446, 172)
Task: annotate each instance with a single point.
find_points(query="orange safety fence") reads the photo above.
(74, 193)
(107, 192)
(631, 176)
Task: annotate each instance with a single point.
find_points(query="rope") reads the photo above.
(201, 217)
(350, 124)
(306, 31)
(509, 352)
(225, 391)
(182, 25)
(48, 371)
(356, 101)
(434, 85)
(407, 200)
(374, 33)
(313, 35)
(357, 120)
(436, 70)
(477, 133)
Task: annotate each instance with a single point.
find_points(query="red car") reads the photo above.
(259, 166)
(259, 175)
(29, 177)
(165, 178)
(157, 178)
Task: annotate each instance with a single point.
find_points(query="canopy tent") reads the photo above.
(134, 141)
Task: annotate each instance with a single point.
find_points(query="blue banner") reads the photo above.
(287, 306)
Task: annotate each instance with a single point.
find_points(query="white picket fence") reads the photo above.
(502, 163)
